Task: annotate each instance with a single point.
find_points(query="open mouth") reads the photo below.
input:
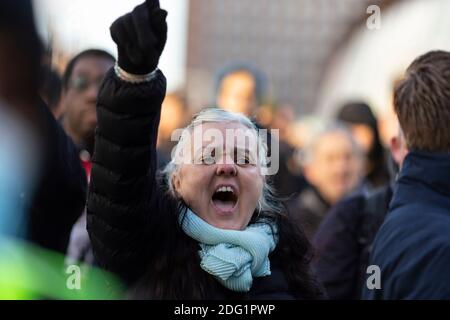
(225, 198)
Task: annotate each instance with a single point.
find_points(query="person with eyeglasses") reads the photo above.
(81, 82)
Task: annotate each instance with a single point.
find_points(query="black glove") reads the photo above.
(140, 36)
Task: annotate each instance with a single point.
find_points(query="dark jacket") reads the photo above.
(61, 190)
(344, 239)
(412, 247)
(308, 209)
(287, 183)
(133, 221)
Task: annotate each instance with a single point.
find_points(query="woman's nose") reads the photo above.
(228, 169)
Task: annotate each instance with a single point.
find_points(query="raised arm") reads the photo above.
(123, 190)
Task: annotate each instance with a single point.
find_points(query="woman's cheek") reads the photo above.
(255, 183)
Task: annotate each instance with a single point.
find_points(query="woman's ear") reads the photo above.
(176, 182)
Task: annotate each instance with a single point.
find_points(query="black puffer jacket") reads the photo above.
(131, 219)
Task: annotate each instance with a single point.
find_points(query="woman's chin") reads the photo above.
(227, 225)
(224, 219)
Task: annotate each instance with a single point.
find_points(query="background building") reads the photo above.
(291, 41)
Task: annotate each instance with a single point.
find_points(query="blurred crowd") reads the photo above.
(336, 175)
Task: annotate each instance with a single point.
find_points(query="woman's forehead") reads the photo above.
(234, 134)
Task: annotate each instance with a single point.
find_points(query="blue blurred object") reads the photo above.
(18, 164)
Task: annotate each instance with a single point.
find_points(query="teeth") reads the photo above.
(225, 189)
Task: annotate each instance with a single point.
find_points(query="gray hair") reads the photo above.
(307, 154)
(211, 115)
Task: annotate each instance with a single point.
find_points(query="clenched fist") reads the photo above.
(140, 36)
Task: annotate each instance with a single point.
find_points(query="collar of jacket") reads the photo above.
(424, 178)
(311, 199)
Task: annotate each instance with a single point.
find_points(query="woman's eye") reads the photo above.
(207, 160)
(243, 160)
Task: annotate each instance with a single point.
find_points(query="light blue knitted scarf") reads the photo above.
(234, 257)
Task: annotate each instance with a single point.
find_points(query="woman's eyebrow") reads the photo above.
(246, 151)
(201, 150)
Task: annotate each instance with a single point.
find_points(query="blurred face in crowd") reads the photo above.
(388, 126)
(172, 117)
(80, 96)
(335, 167)
(283, 118)
(364, 136)
(223, 184)
(237, 93)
